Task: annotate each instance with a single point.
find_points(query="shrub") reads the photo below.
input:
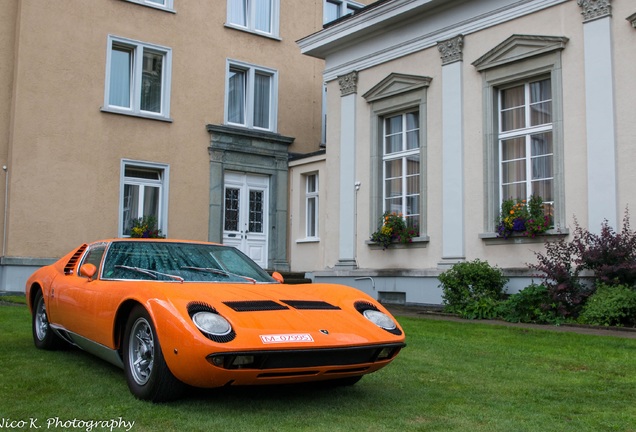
(610, 306)
(530, 305)
(472, 289)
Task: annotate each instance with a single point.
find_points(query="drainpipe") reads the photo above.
(6, 204)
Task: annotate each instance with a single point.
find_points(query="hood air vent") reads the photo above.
(310, 305)
(255, 305)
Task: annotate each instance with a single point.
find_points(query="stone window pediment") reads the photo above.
(519, 47)
(396, 84)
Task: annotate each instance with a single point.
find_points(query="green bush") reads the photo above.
(472, 289)
(530, 305)
(610, 305)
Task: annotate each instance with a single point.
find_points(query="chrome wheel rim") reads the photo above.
(41, 320)
(141, 351)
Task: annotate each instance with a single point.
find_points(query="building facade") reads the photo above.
(439, 111)
(182, 110)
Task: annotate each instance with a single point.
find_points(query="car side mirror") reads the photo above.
(88, 270)
(278, 277)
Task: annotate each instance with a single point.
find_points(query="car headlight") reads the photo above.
(211, 323)
(380, 319)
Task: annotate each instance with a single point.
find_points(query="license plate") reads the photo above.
(286, 338)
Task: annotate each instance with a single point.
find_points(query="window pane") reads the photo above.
(231, 209)
(312, 184)
(542, 167)
(412, 206)
(263, 15)
(236, 97)
(151, 80)
(120, 76)
(393, 188)
(540, 91)
(514, 191)
(256, 212)
(513, 149)
(262, 85)
(393, 168)
(393, 205)
(513, 171)
(543, 188)
(332, 11)
(151, 202)
(512, 97)
(540, 113)
(393, 125)
(413, 165)
(238, 12)
(541, 144)
(311, 216)
(513, 119)
(413, 185)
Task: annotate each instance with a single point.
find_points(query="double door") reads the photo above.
(245, 216)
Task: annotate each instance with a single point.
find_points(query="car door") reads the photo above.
(85, 306)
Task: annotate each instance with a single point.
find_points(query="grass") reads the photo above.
(451, 377)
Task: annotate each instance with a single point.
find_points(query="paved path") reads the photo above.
(419, 312)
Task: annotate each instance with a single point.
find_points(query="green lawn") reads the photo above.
(450, 377)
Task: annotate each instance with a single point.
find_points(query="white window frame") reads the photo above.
(526, 133)
(345, 7)
(166, 5)
(162, 183)
(250, 18)
(250, 72)
(402, 155)
(311, 229)
(137, 49)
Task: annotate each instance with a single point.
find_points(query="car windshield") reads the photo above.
(183, 262)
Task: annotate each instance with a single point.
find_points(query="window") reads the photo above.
(137, 79)
(523, 135)
(311, 205)
(158, 4)
(94, 256)
(335, 9)
(525, 141)
(251, 99)
(143, 194)
(258, 16)
(401, 166)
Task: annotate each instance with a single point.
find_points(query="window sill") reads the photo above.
(418, 242)
(111, 110)
(309, 240)
(153, 6)
(491, 239)
(254, 32)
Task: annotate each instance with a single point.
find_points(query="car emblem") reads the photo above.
(324, 331)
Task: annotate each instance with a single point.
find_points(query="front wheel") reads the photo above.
(43, 335)
(147, 373)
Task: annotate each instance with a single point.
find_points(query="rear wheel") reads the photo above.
(147, 373)
(43, 335)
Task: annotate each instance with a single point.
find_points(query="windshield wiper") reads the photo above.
(219, 272)
(152, 273)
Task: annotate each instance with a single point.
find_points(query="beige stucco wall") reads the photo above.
(65, 155)
(561, 20)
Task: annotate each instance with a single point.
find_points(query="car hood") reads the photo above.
(279, 315)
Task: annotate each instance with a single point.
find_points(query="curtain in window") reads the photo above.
(238, 12)
(131, 207)
(151, 80)
(120, 76)
(236, 97)
(263, 15)
(262, 85)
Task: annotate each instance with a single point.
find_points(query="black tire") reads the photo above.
(43, 335)
(147, 373)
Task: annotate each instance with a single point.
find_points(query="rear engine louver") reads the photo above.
(255, 305)
(310, 305)
(70, 265)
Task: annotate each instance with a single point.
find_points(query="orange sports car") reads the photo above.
(173, 313)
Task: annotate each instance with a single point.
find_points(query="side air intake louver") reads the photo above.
(70, 265)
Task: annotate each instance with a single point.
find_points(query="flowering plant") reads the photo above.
(521, 216)
(393, 228)
(145, 227)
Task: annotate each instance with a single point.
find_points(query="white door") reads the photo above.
(245, 214)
